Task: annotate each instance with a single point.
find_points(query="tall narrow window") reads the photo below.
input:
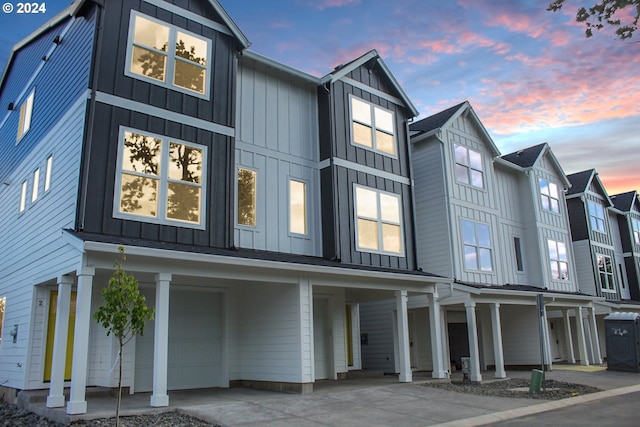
(168, 55)
(26, 110)
(469, 168)
(161, 179)
(596, 216)
(559, 261)
(518, 249)
(372, 127)
(47, 173)
(622, 282)
(3, 303)
(297, 207)
(247, 180)
(378, 224)
(635, 224)
(477, 245)
(605, 270)
(549, 196)
(23, 196)
(36, 185)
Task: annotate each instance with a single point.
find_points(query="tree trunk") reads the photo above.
(119, 385)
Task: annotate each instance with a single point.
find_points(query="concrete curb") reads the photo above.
(536, 409)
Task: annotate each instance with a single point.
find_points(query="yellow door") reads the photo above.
(51, 329)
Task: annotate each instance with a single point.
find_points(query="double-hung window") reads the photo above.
(168, 56)
(26, 111)
(605, 270)
(558, 259)
(635, 225)
(469, 168)
(477, 245)
(247, 186)
(378, 221)
(596, 216)
(160, 179)
(549, 196)
(372, 127)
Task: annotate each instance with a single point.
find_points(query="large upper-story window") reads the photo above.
(596, 216)
(477, 245)
(559, 260)
(160, 180)
(469, 168)
(605, 270)
(167, 55)
(378, 221)
(635, 225)
(549, 196)
(26, 110)
(247, 185)
(372, 127)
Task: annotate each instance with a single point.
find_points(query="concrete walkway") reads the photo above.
(369, 401)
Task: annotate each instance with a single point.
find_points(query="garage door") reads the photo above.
(195, 343)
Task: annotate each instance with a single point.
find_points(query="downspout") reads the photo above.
(412, 201)
(88, 135)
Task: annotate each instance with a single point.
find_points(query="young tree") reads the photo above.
(604, 12)
(123, 314)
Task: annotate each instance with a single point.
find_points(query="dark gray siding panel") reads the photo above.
(112, 79)
(578, 220)
(633, 274)
(329, 249)
(98, 215)
(625, 233)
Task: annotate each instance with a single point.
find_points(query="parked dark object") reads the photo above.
(622, 332)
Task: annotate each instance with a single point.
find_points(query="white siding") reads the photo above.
(584, 267)
(25, 264)
(520, 334)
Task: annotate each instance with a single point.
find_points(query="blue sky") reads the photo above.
(530, 75)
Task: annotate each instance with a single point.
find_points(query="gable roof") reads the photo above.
(581, 181)
(444, 118)
(625, 201)
(374, 57)
(528, 157)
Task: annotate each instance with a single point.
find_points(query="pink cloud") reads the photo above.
(326, 4)
(516, 23)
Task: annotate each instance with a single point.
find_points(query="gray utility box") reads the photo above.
(622, 332)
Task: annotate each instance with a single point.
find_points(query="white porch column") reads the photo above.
(595, 342)
(582, 342)
(498, 352)
(77, 402)
(446, 357)
(472, 329)
(569, 340)
(435, 326)
(61, 336)
(403, 337)
(161, 341)
(547, 339)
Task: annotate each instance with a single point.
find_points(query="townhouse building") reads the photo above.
(258, 206)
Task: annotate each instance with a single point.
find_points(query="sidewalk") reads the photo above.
(367, 401)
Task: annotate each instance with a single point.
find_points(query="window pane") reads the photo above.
(555, 270)
(390, 210)
(183, 202)
(485, 259)
(469, 232)
(391, 238)
(385, 143)
(191, 48)
(138, 195)
(461, 155)
(297, 207)
(362, 135)
(544, 187)
(564, 270)
(28, 111)
(361, 111)
(47, 174)
(553, 190)
(562, 252)
(546, 203)
(477, 180)
(148, 63)
(384, 120)
(484, 236)
(246, 197)
(553, 250)
(366, 203)
(189, 76)
(141, 153)
(555, 207)
(367, 234)
(23, 196)
(36, 185)
(151, 34)
(475, 160)
(185, 163)
(462, 174)
(470, 258)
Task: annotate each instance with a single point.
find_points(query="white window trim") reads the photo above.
(379, 222)
(540, 180)
(245, 226)
(306, 207)
(373, 127)
(163, 183)
(35, 188)
(170, 67)
(47, 173)
(477, 246)
(612, 275)
(25, 125)
(469, 168)
(595, 216)
(556, 242)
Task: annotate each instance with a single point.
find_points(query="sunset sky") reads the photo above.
(530, 75)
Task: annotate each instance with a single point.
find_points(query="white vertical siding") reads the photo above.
(584, 267)
(520, 335)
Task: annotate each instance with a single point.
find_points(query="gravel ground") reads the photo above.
(508, 388)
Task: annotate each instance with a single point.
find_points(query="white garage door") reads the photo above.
(195, 343)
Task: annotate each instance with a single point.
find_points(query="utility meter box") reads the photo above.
(622, 332)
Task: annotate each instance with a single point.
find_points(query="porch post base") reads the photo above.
(55, 401)
(159, 401)
(78, 407)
